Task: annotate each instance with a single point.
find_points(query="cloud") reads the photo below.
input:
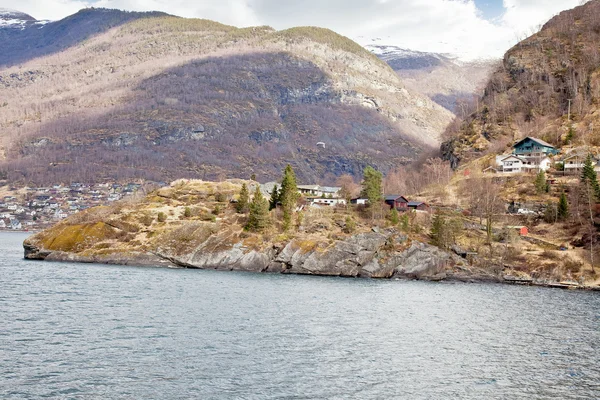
(447, 26)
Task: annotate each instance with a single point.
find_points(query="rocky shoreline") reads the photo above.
(366, 255)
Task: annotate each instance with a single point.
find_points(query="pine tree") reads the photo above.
(570, 135)
(551, 213)
(371, 185)
(393, 217)
(540, 182)
(274, 198)
(589, 177)
(371, 188)
(563, 207)
(258, 218)
(438, 231)
(242, 204)
(288, 196)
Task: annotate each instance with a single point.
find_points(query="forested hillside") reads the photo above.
(162, 97)
(529, 95)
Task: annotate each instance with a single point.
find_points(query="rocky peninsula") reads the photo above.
(192, 224)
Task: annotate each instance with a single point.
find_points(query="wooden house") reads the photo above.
(533, 147)
(418, 205)
(396, 201)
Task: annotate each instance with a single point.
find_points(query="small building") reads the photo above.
(574, 161)
(525, 164)
(327, 202)
(15, 224)
(521, 230)
(319, 191)
(418, 205)
(533, 147)
(512, 164)
(359, 201)
(396, 201)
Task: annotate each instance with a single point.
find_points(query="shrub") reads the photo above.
(350, 226)
(220, 197)
(162, 217)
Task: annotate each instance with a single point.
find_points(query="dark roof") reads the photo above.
(539, 141)
(394, 197)
(415, 203)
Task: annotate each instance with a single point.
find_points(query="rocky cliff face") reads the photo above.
(367, 255)
(140, 84)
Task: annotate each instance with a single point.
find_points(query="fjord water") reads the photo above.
(81, 331)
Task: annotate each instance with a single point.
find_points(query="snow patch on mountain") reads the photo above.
(15, 19)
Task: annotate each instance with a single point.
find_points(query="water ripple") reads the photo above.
(80, 331)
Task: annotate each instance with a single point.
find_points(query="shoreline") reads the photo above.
(153, 260)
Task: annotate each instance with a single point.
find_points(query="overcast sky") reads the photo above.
(470, 28)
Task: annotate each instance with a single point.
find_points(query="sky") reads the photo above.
(469, 29)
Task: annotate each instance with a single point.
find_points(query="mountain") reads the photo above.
(443, 78)
(109, 94)
(13, 19)
(548, 86)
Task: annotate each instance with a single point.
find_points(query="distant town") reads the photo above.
(34, 208)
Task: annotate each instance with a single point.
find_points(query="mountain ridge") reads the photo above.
(64, 92)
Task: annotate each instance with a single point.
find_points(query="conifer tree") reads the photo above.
(274, 198)
(371, 188)
(589, 177)
(242, 205)
(393, 217)
(258, 218)
(288, 196)
(563, 207)
(540, 182)
(438, 231)
(371, 185)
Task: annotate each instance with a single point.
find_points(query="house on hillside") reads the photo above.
(574, 161)
(326, 202)
(396, 201)
(514, 163)
(319, 191)
(419, 206)
(359, 201)
(533, 147)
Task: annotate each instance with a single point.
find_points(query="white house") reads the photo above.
(328, 202)
(317, 190)
(575, 160)
(15, 224)
(513, 164)
(360, 201)
(12, 207)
